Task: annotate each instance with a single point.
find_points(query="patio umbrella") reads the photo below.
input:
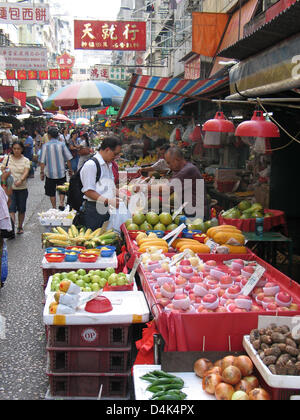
(82, 121)
(86, 94)
(61, 118)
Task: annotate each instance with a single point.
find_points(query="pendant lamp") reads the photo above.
(257, 132)
(214, 128)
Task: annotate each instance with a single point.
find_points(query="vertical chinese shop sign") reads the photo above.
(112, 35)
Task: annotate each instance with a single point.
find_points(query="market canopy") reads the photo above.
(148, 92)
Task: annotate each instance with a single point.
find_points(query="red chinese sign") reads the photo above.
(52, 74)
(65, 61)
(112, 35)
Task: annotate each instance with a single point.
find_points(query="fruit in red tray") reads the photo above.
(209, 298)
(168, 290)
(180, 281)
(248, 271)
(255, 308)
(187, 269)
(221, 309)
(210, 382)
(241, 279)
(231, 375)
(195, 279)
(243, 302)
(244, 364)
(185, 263)
(210, 301)
(211, 279)
(283, 299)
(294, 307)
(224, 392)
(271, 307)
(211, 263)
(164, 301)
(226, 281)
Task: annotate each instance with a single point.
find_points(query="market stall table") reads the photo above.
(192, 384)
(101, 263)
(267, 245)
(214, 331)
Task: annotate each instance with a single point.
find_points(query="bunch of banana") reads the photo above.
(84, 237)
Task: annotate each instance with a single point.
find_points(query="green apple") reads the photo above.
(96, 279)
(121, 281)
(110, 270)
(92, 272)
(113, 278)
(80, 283)
(63, 275)
(105, 275)
(103, 282)
(87, 278)
(73, 277)
(95, 287)
(98, 273)
(81, 272)
(88, 289)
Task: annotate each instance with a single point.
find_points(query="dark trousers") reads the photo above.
(91, 218)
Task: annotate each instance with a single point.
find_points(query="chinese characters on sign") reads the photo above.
(24, 14)
(52, 74)
(103, 35)
(192, 68)
(101, 72)
(65, 61)
(24, 58)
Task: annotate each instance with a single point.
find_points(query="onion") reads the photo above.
(218, 363)
(227, 361)
(210, 382)
(231, 375)
(201, 366)
(224, 392)
(244, 385)
(217, 370)
(259, 394)
(240, 396)
(252, 380)
(244, 364)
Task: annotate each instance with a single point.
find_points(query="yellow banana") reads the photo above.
(62, 231)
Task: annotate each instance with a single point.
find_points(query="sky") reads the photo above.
(96, 9)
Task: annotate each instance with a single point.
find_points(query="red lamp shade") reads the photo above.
(219, 124)
(257, 127)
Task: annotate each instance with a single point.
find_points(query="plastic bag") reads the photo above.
(189, 130)
(118, 217)
(4, 263)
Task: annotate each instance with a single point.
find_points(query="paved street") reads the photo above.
(22, 344)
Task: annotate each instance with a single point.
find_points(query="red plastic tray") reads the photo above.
(213, 331)
(248, 225)
(83, 258)
(82, 248)
(55, 257)
(124, 288)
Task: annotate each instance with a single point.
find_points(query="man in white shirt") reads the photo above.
(99, 195)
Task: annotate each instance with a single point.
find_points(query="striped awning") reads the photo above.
(148, 92)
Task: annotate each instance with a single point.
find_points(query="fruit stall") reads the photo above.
(92, 306)
(209, 293)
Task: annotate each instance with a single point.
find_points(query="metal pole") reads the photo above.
(150, 46)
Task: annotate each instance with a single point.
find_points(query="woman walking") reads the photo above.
(73, 147)
(19, 167)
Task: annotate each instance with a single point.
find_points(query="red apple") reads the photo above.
(159, 295)
(221, 309)
(180, 281)
(283, 297)
(187, 269)
(211, 263)
(294, 307)
(180, 296)
(255, 308)
(195, 279)
(271, 307)
(164, 301)
(240, 279)
(210, 298)
(185, 263)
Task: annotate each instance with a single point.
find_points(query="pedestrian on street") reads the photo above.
(73, 147)
(98, 196)
(28, 151)
(19, 167)
(84, 150)
(54, 157)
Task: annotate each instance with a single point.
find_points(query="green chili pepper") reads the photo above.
(168, 381)
(162, 374)
(168, 397)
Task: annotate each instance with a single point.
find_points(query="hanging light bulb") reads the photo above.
(214, 128)
(257, 132)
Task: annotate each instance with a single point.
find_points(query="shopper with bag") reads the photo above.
(19, 167)
(99, 195)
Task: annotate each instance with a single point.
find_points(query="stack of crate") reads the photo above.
(83, 358)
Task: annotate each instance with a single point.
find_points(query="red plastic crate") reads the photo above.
(88, 385)
(77, 359)
(89, 335)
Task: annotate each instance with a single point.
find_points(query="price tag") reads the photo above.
(212, 246)
(174, 232)
(253, 280)
(134, 268)
(179, 257)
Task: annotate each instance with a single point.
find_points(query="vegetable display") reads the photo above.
(277, 349)
(164, 386)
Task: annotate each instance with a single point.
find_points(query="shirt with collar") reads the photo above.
(106, 184)
(54, 155)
